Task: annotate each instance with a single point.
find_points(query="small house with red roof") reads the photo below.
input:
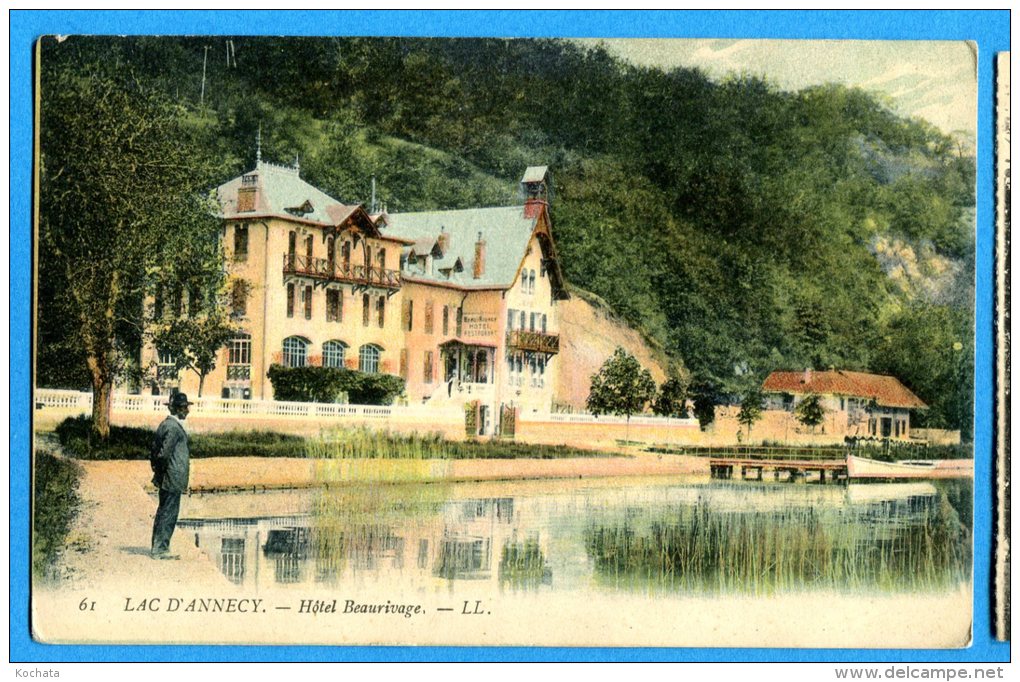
(865, 405)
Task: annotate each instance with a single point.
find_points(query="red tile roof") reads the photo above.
(885, 390)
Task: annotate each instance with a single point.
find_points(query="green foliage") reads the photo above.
(810, 411)
(671, 400)
(195, 340)
(621, 387)
(331, 384)
(931, 349)
(76, 438)
(705, 396)
(55, 505)
(751, 408)
(122, 196)
(365, 443)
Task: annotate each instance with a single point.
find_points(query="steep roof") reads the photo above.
(506, 232)
(281, 188)
(887, 391)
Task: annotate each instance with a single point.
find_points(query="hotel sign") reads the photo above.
(479, 325)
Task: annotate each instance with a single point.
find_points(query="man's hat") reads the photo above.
(179, 400)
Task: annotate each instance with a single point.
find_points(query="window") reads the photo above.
(408, 315)
(239, 298)
(380, 309)
(334, 305)
(523, 324)
(291, 247)
(239, 350)
(543, 323)
(531, 283)
(460, 320)
(446, 320)
(427, 367)
(308, 251)
(331, 254)
(290, 299)
(510, 314)
(429, 323)
(308, 302)
(403, 363)
(524, 281)
(241, 243)
(164, 357)
(368, 359)
(541, 272)
(381, 258)
(333, 353)
(345, 256)
(532, 320)
(295, 352)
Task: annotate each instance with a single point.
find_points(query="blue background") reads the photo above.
(989, 29)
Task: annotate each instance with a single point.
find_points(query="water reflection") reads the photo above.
(699, 537)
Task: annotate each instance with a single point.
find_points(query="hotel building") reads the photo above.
(460, 303)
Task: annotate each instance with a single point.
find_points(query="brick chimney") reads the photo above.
(444, 240)
(479, 269)
(247, 193)
(806, 379)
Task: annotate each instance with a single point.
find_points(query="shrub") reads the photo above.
(331, 384)
(56, 505)
(74, 434)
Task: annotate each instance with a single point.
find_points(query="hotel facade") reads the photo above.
(462, 304)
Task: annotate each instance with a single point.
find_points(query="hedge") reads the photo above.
(331, 384)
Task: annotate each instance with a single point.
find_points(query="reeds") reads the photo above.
(764, 552)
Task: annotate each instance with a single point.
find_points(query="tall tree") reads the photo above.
(122, 179)
(621, 387)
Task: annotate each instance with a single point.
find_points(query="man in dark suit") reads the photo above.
(170, 468)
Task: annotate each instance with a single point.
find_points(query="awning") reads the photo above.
(484, 343)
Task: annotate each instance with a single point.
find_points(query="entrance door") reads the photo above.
(886, 427)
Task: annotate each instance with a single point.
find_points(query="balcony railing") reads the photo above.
(239, 372)
(538, 342)
(321, 268)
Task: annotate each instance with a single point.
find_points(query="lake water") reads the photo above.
(695, 537)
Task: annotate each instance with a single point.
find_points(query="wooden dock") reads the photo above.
(814, 470)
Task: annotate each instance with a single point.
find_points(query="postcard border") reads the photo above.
(989, 29)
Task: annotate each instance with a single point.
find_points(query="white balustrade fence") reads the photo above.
(637, 420)
(148, 404)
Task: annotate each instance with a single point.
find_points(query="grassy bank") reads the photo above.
(74, 434)
(56, 504)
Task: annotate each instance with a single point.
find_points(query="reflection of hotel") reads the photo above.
(462, 304)
(477, 540)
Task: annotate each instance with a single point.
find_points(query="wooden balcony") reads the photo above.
(537, 342)
(322, 270)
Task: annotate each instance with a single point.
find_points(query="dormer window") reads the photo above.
(302, 210)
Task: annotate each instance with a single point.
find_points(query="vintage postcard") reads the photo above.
(618, 343)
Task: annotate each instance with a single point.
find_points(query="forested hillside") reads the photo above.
(744, 228)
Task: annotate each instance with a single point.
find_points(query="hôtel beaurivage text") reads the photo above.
(459, 303)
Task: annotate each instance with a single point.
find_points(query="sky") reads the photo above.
(933, 80)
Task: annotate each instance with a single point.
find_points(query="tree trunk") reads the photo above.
(102, 393)
(201, 382)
